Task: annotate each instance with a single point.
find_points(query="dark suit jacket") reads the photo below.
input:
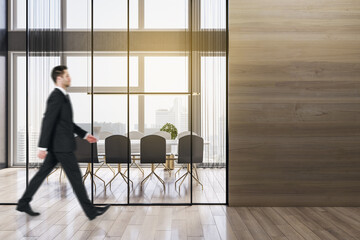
(58, 128)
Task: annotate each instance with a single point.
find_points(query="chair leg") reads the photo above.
(85, 176)
(162, 181)
(92, 177)
(100, 179)
(178, 170)
(157, 176)
(112, 180)
(183, 176)
(195, 170)
(183, 180)
(47, 178)
(202, 186)
(94, 174)
(140, 168)
(126, 180)
(157, 166)
(167, 169)
(106, 165)
(195, 176)
(137, 165)
(129, 166)
(99, 167)
(145, 179)
(88, 172)
(113, 170)
(122, 175)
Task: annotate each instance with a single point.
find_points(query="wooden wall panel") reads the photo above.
(294, 103)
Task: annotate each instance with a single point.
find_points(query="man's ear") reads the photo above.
(58, 78)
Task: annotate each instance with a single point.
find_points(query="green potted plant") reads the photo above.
(170, 128)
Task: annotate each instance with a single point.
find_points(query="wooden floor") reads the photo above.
(65, 220)
(62, 218)
(12, 186)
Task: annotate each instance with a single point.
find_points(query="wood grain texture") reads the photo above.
(294, 103)
(181, 222)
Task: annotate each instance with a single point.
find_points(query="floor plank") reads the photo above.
(182, 222)
(152, 191)
(254, 227)
(62, 217)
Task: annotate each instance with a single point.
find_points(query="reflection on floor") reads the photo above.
(64, 219)
(12, 185)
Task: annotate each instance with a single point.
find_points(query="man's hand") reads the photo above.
(91, 139)
(42, 154)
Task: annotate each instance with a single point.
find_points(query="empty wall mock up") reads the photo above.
(294, 103)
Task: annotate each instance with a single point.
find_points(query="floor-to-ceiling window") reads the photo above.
(135, 69)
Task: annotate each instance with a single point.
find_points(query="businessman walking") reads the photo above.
(57, 144)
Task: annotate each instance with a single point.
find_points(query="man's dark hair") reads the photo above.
(58, 71)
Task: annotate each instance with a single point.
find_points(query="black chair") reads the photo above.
(83, 155)
(135, 135)
(167, 136)
(153, 150)
(104, 135)
(184, 155)
(117, 149)
(180, 135)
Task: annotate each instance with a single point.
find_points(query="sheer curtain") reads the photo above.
(44, 23)
(49, 22)
(209, 78)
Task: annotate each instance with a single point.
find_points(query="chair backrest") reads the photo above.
(152, 149)
(83, 151)
(116, 149)
(185, 149)
(163, 134)
(104, 134)
(167, 136)
(136, 135)
(185, 133)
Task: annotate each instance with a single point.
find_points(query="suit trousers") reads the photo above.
(72, 170)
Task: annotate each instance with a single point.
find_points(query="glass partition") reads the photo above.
(13, 178)
(209, 101)
(163, 99)
(159, 71)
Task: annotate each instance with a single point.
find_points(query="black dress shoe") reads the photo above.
(99, 211)
(27, 209)
(102, 210)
